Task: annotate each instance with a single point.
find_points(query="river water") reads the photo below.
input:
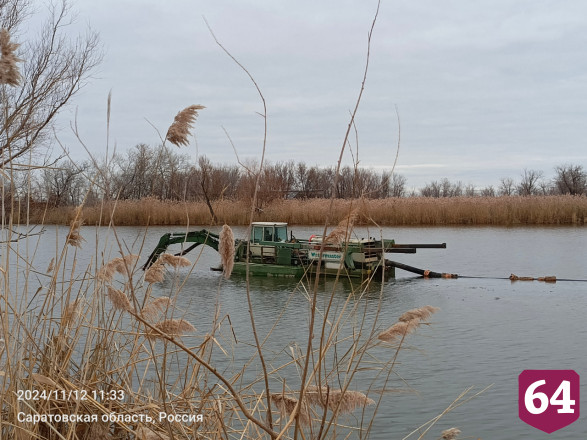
(488, 330)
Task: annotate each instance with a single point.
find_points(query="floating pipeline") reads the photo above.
(431, 274)
(424, 272)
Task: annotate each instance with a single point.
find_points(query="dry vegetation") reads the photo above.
(97, 352)
(506, 211)
(105, 328)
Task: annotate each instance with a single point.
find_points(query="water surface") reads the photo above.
(487, 332)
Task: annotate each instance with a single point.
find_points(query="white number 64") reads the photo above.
(565, 403)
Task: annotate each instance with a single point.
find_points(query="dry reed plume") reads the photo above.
(407, 323)
(155, 273)
(9, 73)
(174, 261)
(337, 400)
(119, 300)
(122, 265)
(344, 228)
(173, 327)
(399, 329)
(179, 130)
(226, 250)
(74, 237)
(422, 313)
(286, 405)
(450, 434)
(157, 306)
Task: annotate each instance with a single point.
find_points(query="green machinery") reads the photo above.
(271, 252)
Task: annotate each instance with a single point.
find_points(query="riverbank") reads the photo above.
(412, 211)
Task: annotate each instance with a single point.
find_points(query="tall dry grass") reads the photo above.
(95, 352)
(75, 335)
(417, 211)
(537, 210)
(98, 352)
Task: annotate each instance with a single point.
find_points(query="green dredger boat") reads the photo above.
(272, 253)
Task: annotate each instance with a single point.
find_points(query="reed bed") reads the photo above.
(107, 345)
(506, 211)
(416, 211)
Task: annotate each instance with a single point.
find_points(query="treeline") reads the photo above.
(164, 174)
(568, 180)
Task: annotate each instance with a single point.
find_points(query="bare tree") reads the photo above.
(507, 186)
(398, 185)
(445, 188)
(314, 181)
(570, 179)
(432, 189)
(135, 175)
(442, 188)
(470, 190)
(388, 184)
(54, 68)
(63, 184)
(529, 185)
(206, 170)
(277, 181)
(367, 183)
(301, 175)
(488, 191)
(345, 183)
(545, 187)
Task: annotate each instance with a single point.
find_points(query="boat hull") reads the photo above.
(275, 270)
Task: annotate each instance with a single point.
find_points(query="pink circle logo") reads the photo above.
(548, 400)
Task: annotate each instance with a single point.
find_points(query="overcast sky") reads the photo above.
(483, 89)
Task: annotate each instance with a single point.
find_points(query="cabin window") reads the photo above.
(280, 233)
(257, 234)
(268, 233)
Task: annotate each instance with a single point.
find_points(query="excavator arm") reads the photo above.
(197, 237)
